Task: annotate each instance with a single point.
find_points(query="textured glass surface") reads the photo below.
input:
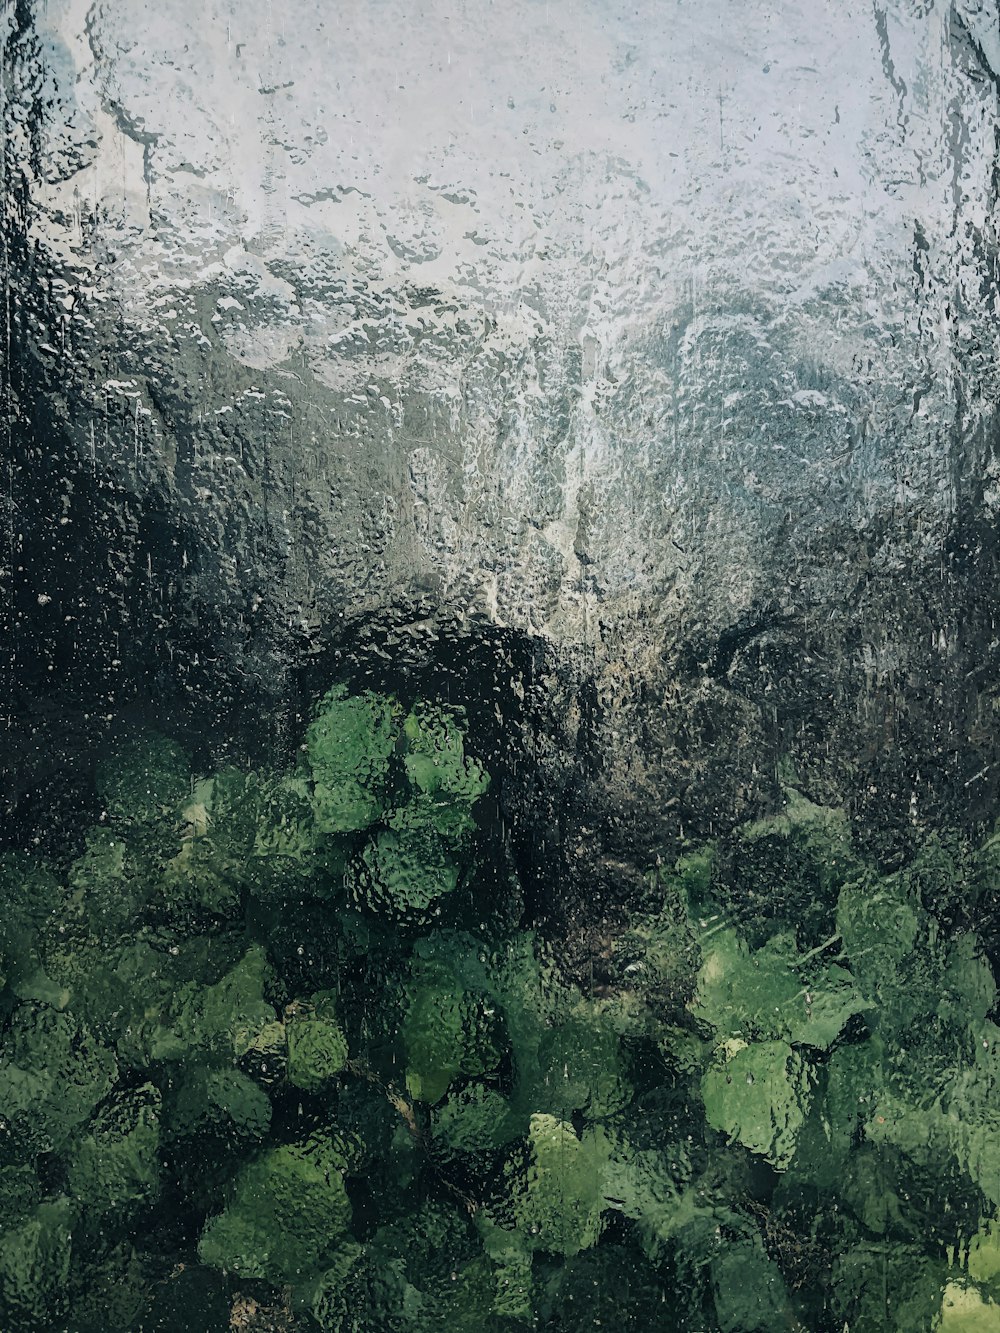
(498, 715)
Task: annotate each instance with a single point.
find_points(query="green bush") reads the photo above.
(272, 1057)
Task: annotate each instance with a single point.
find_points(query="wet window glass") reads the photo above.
(498, 723)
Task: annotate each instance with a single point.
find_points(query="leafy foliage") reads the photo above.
(116, 1168)
(285, 1212)
(759, 1095)
(446, 1033)
(53, 1073)
(35, 1261)
(146, 777)
(435, 759)
(272, 1058)
(556, 1194)
(404, 877)
(768, 993)
(350, 744)
(317, 1047)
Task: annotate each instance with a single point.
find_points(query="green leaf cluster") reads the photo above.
(272, 1056)
(186, 1082)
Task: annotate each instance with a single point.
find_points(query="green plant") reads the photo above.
(270, 1055)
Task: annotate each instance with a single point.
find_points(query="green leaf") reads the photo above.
(770, 994)
(404, 877)
(748, 995)
(930, 1134)
(224, 1103)
(198, 886)
(512, 1283)
(350, 745)
(144, 779)
(474, 1120)
(759, 1095)
(580, 1067)
(645, 1184)
(225, 811)
(750, 1295)
(984, 1256)
(693, 874)
(287, 1211)
(887, 1288)
(435, 758)
(226, 1018)
(109, 1290)
(35, 1266)
(445, 817)
(53, 1072)
(968, 991)
(964, 1310)
(878, 921)
(855, 1083)
(557, 1194)
(341, 1293)
(285, 826)
(785, 871)
(292, 852)
(446, 1032)
(20, 1191)
(30, 899)
(828, 999)
(111, 882)
(116, 1166)
(317, 1047)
